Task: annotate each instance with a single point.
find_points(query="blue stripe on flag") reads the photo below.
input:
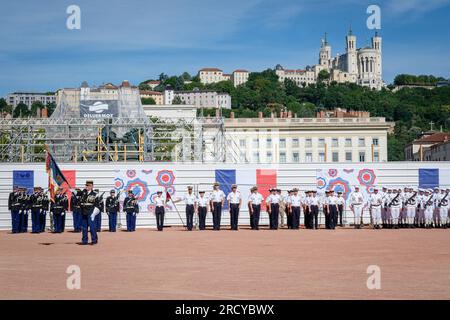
(428, 178)
(24, 178)
(226, 178)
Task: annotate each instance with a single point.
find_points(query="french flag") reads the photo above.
(431, 178)
(264, 179)
(39, 178)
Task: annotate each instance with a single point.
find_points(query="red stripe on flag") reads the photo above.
(71, 177)
(266, 179)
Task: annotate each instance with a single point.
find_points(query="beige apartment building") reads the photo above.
(213, 75)
(432, 146)
(288, 139)
(155, 95)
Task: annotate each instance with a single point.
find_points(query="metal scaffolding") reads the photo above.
(113, 139)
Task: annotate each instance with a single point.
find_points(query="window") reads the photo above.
(308, 157)
(348, 156)
(375, 141)
(256, 157)
(321, 142)
(335, 157)
(362, 157)
(269, 157)
(321, 157)
(348, 142)
(282, 157)
(242, 143)
(269, 143)
(242, 156)
(308, 142)
(255, 143)
(295, 157)
(283, 143)
(376, 156)
(295, 143)
(334, 142)
(361, 142)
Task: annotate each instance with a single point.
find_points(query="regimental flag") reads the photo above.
(264, 179)
(56, 178)
(431, 178)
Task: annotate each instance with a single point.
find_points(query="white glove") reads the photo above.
(92, 217)
(63, 213)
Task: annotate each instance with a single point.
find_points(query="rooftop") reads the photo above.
(433, 138)
(210, 69)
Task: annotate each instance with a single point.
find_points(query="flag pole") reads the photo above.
(176, 209)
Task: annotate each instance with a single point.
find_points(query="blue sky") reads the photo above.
(137, 40)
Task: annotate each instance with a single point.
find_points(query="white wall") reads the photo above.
(289, 175)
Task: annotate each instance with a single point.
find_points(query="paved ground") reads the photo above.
(174, 264)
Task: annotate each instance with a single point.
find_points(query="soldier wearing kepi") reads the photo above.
(273, 208)
(89, 209)
(217, 199)
(112, 208)
(295, 202)
(36, 200)
(356, 204)
(14, 207)
(58, 208)
(75, 204)
(375, 203)
(24, 200)
(131, 207)
(202, 202)
(254, 207)
(45, 208)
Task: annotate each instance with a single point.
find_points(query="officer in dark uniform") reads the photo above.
(89, 208)
(131, 207)
(287, 209)
(160, 203)
(112, 208)
(36, 200)
(14, 207)
(24, 199)
(202, 208)
(326, 210)
(101, 206)
(314, 208)
(58, 208)
(75, 204)
(45, 208)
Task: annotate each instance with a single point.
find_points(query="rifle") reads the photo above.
(395, 199)
(444, 199)
(429, 201)
(410, 198)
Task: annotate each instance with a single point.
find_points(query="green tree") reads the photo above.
(148, 101)
(186, 76)
(21, 111)
(36, 107)
(177, 100)
(323, 76)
